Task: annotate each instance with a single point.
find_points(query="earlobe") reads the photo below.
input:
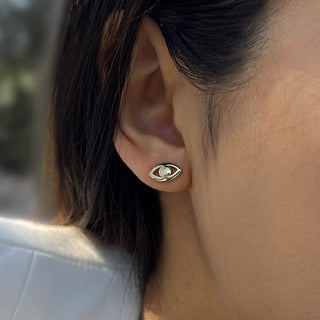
(145, 161)
(148, 140)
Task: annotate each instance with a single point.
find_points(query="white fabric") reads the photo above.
(62, 273)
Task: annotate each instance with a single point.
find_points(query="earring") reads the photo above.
(165, 172)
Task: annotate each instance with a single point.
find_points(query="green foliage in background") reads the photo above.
(24, 29)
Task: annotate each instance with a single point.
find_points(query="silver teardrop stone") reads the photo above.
(164, 171)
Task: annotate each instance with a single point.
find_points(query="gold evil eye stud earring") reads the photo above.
(165, 172)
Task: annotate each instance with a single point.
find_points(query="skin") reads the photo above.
(241, 227)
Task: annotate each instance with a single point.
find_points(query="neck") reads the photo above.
(181, 287)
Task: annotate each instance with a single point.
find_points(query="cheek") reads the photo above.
(296, 32)
(259, 213)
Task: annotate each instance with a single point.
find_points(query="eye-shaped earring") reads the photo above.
(165, 172)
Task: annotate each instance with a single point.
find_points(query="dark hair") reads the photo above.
(209, 41)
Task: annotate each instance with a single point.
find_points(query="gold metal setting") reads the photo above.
(165, 172)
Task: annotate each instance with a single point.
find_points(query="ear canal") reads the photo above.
(165, 172)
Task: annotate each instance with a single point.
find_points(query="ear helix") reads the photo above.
(165, 172)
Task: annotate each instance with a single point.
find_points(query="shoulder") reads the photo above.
(60, 272)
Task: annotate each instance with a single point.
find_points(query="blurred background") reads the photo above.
(28, 33)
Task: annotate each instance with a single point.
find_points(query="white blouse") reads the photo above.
(62, 273)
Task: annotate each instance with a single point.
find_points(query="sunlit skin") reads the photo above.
(241, 228)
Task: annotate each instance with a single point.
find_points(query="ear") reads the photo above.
(147, 132)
